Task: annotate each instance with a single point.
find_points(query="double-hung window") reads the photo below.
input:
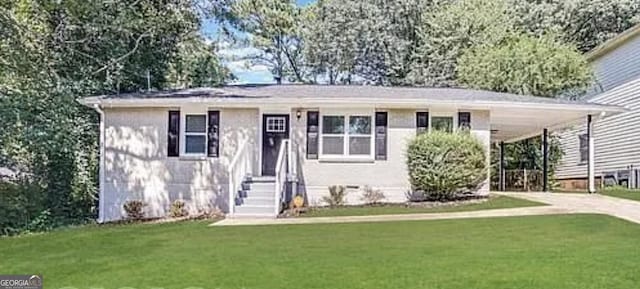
(347, 136)
(195, 134)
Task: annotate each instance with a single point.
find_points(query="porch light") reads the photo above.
(298, 114)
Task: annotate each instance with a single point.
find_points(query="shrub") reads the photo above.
(371, 196)
(23, 207)
(337, 196)
(442, 165)
(134, 209)
(178, 209)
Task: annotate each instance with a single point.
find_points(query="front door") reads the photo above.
(275, 128)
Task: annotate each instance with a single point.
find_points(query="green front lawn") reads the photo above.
(495, 202)
(622, 193)
(565, 251)
(618, 192)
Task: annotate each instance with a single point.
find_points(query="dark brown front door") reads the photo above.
(275, 128)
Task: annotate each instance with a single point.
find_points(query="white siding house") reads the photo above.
(616, 65)
(242, 149)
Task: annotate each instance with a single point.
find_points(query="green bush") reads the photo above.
(22, 208)
(443, 165)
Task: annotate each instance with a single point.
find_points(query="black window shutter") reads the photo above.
(381, 135)
(213, 134)
(173, 134)
(464, 120)
(422, 122)
(313, 120)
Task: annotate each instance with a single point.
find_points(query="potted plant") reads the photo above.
(297, 202)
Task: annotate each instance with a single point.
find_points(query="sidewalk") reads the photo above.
(525, 211)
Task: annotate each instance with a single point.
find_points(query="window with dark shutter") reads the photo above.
(422, 122)
(381, 135)
(173, 134)
(213, 134)
(312, 134)
(464, 120)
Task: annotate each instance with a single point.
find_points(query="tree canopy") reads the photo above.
(273, 27)
(54, 52)
(451, 28)
(418, 42)
(525, 64)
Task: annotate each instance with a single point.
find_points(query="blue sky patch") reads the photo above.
(235, 58)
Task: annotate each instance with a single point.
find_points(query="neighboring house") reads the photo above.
(616, 64)
(6, 173)
(199, 145)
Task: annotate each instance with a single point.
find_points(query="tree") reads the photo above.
(195, 64)
(525, 65)
(272, 26)
(54, 52)
(366, 41)
(585, 23)
(329, 49)
(450, 28)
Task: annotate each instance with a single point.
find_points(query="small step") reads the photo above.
(262, 216)
(259, 194)
(261, 187)
(262, 179)
(259, 201)
(255, 211)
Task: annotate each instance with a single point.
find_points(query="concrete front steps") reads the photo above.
(257, 200)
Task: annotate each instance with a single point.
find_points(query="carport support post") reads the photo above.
(591, 160)
(501, 183)
(545, 160)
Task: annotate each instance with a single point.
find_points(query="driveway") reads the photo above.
(586, 203)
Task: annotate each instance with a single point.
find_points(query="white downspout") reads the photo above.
(591, 156)
(101, 171)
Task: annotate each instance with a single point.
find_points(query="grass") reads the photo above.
(622, 193)
(495, 202)
(564, 252)
(618, 192)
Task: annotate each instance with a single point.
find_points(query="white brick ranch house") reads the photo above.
(234, 148)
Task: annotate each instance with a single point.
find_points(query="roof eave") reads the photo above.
(90, 101)
(613, 43)
(235, 102)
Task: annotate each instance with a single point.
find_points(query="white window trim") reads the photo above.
(346, 156)
(184, 133)
(281, 121)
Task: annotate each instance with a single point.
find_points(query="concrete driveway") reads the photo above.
(585, 203)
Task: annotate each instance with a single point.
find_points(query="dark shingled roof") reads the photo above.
(302, 91)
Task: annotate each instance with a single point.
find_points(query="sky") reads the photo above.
(234, 57)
